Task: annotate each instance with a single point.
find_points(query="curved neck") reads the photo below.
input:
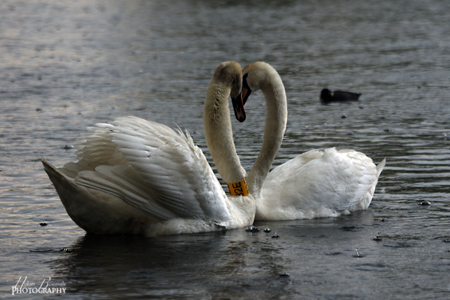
(219, 134)
(274, 128)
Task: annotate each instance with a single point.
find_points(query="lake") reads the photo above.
(65, 66)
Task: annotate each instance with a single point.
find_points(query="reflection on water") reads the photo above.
(67, 66)
(305, 259)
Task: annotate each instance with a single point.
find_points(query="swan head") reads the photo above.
(256, 76)
(230, 74)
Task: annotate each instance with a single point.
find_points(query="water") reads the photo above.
(66, 66)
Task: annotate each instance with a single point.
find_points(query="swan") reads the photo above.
(318, 183)
(139, 177)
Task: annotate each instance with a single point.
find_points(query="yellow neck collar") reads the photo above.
(239, 188)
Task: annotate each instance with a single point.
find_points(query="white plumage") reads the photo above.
(161, 163)
(318, 183)
(139, 177)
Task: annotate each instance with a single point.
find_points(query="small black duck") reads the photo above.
(327, 96)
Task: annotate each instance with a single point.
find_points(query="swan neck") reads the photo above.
(219, 135)
(274, 128)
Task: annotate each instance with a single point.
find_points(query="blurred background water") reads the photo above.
(65, 66)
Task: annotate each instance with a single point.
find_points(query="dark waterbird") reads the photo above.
(327, 96)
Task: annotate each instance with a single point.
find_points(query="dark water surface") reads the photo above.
(68, 65)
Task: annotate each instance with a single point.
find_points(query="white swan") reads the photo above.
(318, 183)
(140, 177)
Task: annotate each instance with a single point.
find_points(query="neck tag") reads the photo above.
(239, 188)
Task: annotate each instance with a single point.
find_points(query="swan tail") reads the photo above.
(380, 167)
(359, 180)
(94, 210)
(364, 201)
(77, 201)
(59, 180)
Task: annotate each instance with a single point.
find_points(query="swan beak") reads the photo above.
(238, 105)
(246, 91)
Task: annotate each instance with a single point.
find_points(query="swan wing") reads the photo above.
(318, 183)
(356, 179)
(153, 168)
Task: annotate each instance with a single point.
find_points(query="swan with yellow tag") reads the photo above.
(139, 177)
(318, 183)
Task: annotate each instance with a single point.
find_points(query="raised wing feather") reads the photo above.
(154, 168)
